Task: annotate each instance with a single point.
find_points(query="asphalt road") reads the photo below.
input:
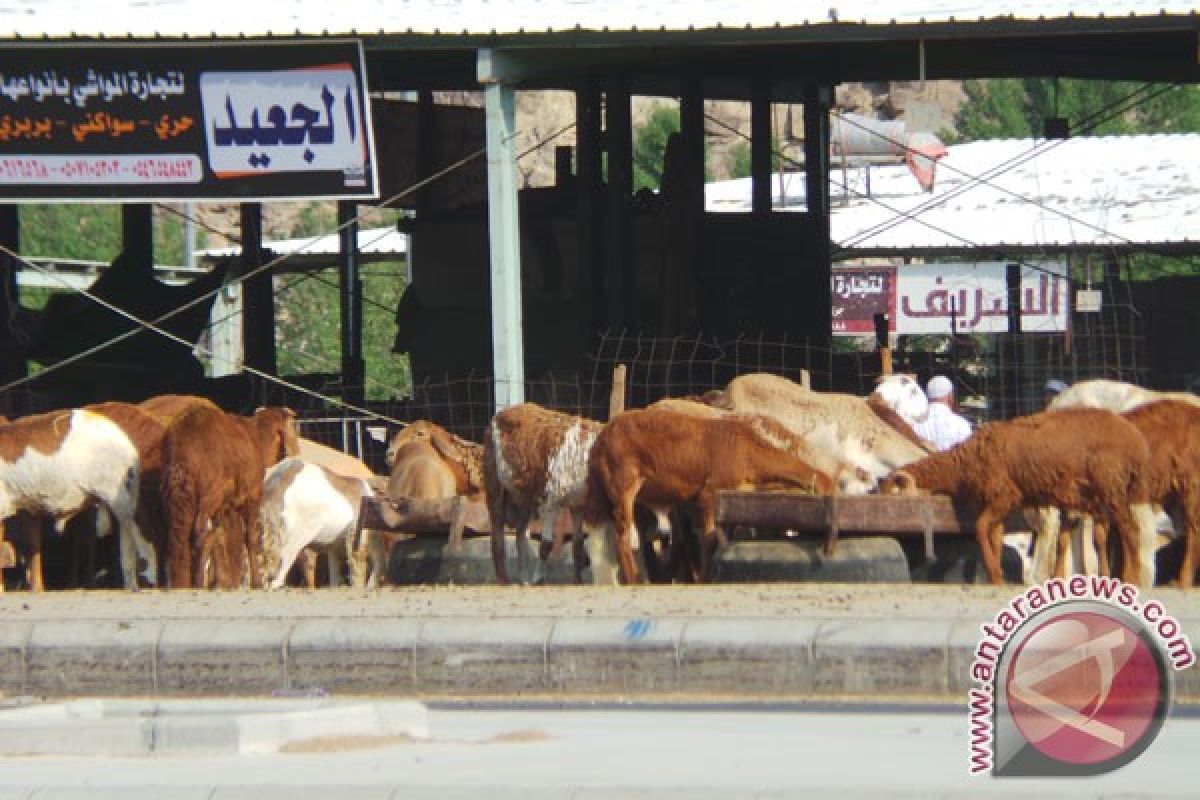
(541, 753)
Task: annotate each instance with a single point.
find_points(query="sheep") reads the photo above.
(839, 428)
(307, 506)
(1171, 429)
(427, 462)
(1081, 547)
(212, 479)
(59, 463)
(535, 464)
(665, 458)
(1084, 459)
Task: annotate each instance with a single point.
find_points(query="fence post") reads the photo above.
(616, 400)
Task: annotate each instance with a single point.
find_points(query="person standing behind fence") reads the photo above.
(943, 427)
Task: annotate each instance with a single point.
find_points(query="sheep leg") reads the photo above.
(577, 548)
(1046, 522)
(497, 518)
(291, 549)
(33, 567)
(623, 523)
(549, 529)
(1137, 531)
(310, 567)
(1096, 543)
(988, 535)
(524, 549)
(1187, 515)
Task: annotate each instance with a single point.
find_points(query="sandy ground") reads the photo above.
(931, 601)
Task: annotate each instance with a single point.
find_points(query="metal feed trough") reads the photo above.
(889, 515)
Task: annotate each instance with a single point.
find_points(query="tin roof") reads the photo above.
(201, 18)
(1088, 191)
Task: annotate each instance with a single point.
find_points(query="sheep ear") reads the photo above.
(447, 448)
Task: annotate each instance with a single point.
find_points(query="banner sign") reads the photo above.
(212, 121)
(859, 293)
(929, 298)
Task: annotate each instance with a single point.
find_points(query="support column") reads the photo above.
(12, 363)
(760, 146)
(258, 296)
(351, 292)
(504, 237)
(589, 185)
(137, 235)
(618, 253)
(817, 263)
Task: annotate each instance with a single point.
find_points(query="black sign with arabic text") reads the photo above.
(248, 121)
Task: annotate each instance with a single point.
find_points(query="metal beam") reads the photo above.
(508, 351)
(350, 291)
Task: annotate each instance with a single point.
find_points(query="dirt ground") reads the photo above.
(931, 601)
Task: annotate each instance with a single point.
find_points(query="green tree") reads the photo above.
(650, 145)
(741, 158)
(1018, 108)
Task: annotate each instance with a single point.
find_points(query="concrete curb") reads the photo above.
(125, 728)
(867, 659)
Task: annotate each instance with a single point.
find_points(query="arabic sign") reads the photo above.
(859, 293)
(975, 296)
(257, 120)
(926, 298)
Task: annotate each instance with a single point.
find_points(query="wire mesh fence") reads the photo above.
(998, 376)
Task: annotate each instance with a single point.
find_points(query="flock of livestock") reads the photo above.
(203, 498)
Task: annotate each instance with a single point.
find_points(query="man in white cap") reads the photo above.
(944, 427)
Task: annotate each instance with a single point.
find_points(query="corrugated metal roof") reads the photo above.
(148, 18)
(1097, 191)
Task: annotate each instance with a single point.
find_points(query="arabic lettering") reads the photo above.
(14, 128)
(965, 306)
(137, 84)
(846, 286)
(281, 128)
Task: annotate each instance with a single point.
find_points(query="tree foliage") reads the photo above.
(1018, 108)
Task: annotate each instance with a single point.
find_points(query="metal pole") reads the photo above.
(508, 353)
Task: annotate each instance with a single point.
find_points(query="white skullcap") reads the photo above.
(939, 386)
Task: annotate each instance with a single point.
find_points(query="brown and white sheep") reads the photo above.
(1082, 459)
(309, 507)
(59, 463)
(665, 458)
(535, 463)
(213, 469)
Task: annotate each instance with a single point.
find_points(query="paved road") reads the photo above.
(585, 755)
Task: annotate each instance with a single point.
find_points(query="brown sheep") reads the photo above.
(1172, 431)
(464, 459)
(1081, 459)
(664, 458)
(213, 469)
(427, 462)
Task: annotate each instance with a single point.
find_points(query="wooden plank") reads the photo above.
(422, 517)
(892, 515)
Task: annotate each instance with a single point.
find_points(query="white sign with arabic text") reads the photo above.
(974, 298)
